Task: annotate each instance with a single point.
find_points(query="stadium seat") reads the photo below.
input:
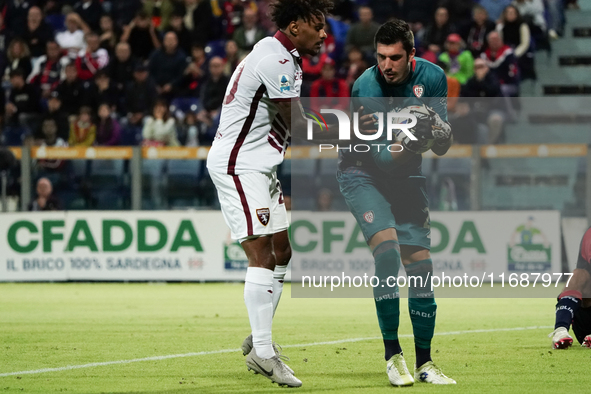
(184, 104)
(152, 174)
(106, 174)
(13, 136)
(303, 179)
(131, 135)
(182, 182)
(56, 21)
(216, 48)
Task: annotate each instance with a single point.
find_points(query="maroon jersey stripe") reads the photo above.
(245, 129)
(244, 203)
(274, 144)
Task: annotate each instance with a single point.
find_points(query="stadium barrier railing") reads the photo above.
(137, 154)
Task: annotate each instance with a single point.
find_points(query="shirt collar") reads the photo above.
(286, 42)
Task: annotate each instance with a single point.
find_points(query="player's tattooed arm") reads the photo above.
(292, 113)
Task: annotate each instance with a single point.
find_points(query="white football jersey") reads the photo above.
(251, 136)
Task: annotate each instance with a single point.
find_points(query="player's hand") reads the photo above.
(441, 130)
(367, 123)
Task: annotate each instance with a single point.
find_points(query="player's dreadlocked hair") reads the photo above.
(393, 32)
(283, 12)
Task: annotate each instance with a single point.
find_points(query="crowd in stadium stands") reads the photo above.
(154, 72)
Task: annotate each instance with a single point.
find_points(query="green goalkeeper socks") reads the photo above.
(421, 302)
(387, 261)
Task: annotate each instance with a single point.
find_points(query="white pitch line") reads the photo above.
(158, 358)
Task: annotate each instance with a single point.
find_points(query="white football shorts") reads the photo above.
(252, 204)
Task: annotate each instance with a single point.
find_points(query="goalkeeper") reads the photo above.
(386, 192)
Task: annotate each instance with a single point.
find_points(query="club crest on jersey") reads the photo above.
(368, 216)
(284, 85)
(264, 214)
(418, 90)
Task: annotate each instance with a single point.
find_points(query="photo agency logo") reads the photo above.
(397, 126)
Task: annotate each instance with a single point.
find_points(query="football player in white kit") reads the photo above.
(250, 143)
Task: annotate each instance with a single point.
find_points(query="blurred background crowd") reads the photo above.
(154, 72)
(131, 72)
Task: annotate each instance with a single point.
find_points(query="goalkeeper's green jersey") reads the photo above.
(425, 84)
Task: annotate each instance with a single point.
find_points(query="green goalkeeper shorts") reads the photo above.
(382, 202)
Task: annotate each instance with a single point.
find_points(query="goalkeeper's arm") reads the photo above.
(441, 132)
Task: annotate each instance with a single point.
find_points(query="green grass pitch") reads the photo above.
(59, 325)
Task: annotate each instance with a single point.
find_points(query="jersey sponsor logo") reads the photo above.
(283, 61)
(418, 90)
(368, 216)
(284, 85)
(264, 214)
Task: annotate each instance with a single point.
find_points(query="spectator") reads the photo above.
(5, 38)
(124, 11)
(453, 88)
(502, 62)
(48, 70)
(555, 18)
(329, 91)
(71, 91)
(213, 88)
(82, 129)
(23, 106)
(436, 34)
(495, 8)
(139, 95)
(108, 131)
(384, 10)
(199, 20)
(263, 14)
(459, 61)
(90, 11)
(141, 36)
(188, 132)
(19, 57)
(45, 200)
(121, 66)
(37, 32)
(51, 139)
(481, 117)
(167, 65)
(16, 13)
(159, 129)
(354, 66)
(91, 59)
(249, 33)
(183, 34)
(361, 34)
(459, 10)
(72, 39)
(101, 91)
(475, 32)
(515, 33)
(532, 12)
(109, 34)
(55, 112)
(234, 12)
(160, 11)
(419, 11)
(232, 59)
